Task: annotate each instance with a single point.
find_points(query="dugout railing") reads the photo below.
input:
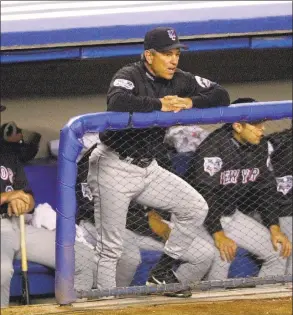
(71, 147)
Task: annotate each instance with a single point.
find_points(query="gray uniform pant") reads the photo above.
(40, 245)
(198, 258)
(255, 238)
(129, 260)
(286, 227)
(114, 183)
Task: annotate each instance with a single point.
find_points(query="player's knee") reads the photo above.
(84, 257)
(132, 257)
(205, 208)
(112, 251)
(199, 210)
(114, 254)
(273, 257)
(207, 254)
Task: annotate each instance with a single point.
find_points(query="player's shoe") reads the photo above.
(167, 277)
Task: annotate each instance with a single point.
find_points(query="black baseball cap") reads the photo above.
(9, 129)
(162, 39)
(2, 108)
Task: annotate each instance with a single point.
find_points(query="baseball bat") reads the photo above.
(25, 297)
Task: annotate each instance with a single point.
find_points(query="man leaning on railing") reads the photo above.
(124, 167)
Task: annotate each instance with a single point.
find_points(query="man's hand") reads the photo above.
(280, 238)
(167, 107)
(225, 245)
(181, 102)
(158, 226)
(174, 103)
(15, 194)
(17, 207)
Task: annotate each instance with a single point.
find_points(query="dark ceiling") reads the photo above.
(78, 77)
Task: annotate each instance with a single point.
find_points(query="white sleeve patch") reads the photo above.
(270, 148)
(205, 83)
(212, 165)
(270, 152)
(86, 191)
(124, 83)
(284, 184)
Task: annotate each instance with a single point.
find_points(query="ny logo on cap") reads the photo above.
(172, 34)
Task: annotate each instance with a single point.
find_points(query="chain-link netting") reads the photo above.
(233, 184)
(184, 207)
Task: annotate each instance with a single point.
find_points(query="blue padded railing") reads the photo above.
(70, 148)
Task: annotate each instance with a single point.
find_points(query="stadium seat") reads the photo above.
(41, 279)
(244, 265)
(149, 258)
(42, 177)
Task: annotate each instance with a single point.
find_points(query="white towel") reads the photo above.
(88, 140)
(185, 138)
(44, 216)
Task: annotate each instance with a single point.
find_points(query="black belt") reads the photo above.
(4, 216)
(141, 162)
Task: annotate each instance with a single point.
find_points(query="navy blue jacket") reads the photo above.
(134, 89)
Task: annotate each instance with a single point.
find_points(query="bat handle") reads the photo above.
(24, 268)
(23, 244)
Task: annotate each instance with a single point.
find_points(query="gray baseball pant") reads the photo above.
(255, 238)
(286, 227)
(130, 258)
(114, 183)
(197, 259)
(40, 245)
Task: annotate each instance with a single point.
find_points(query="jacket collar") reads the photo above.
(148, 74)
(151, 77)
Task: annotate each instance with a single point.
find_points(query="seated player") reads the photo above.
(23, 142)
(16, 199)
(230, 170)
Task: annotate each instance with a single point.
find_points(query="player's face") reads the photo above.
(250, 133)
(164, 64)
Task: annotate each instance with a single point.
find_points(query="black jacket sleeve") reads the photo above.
(270, 210)
(267, 189)
(122, 96)
(205, 93)
(281, 161)
(262, 195)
